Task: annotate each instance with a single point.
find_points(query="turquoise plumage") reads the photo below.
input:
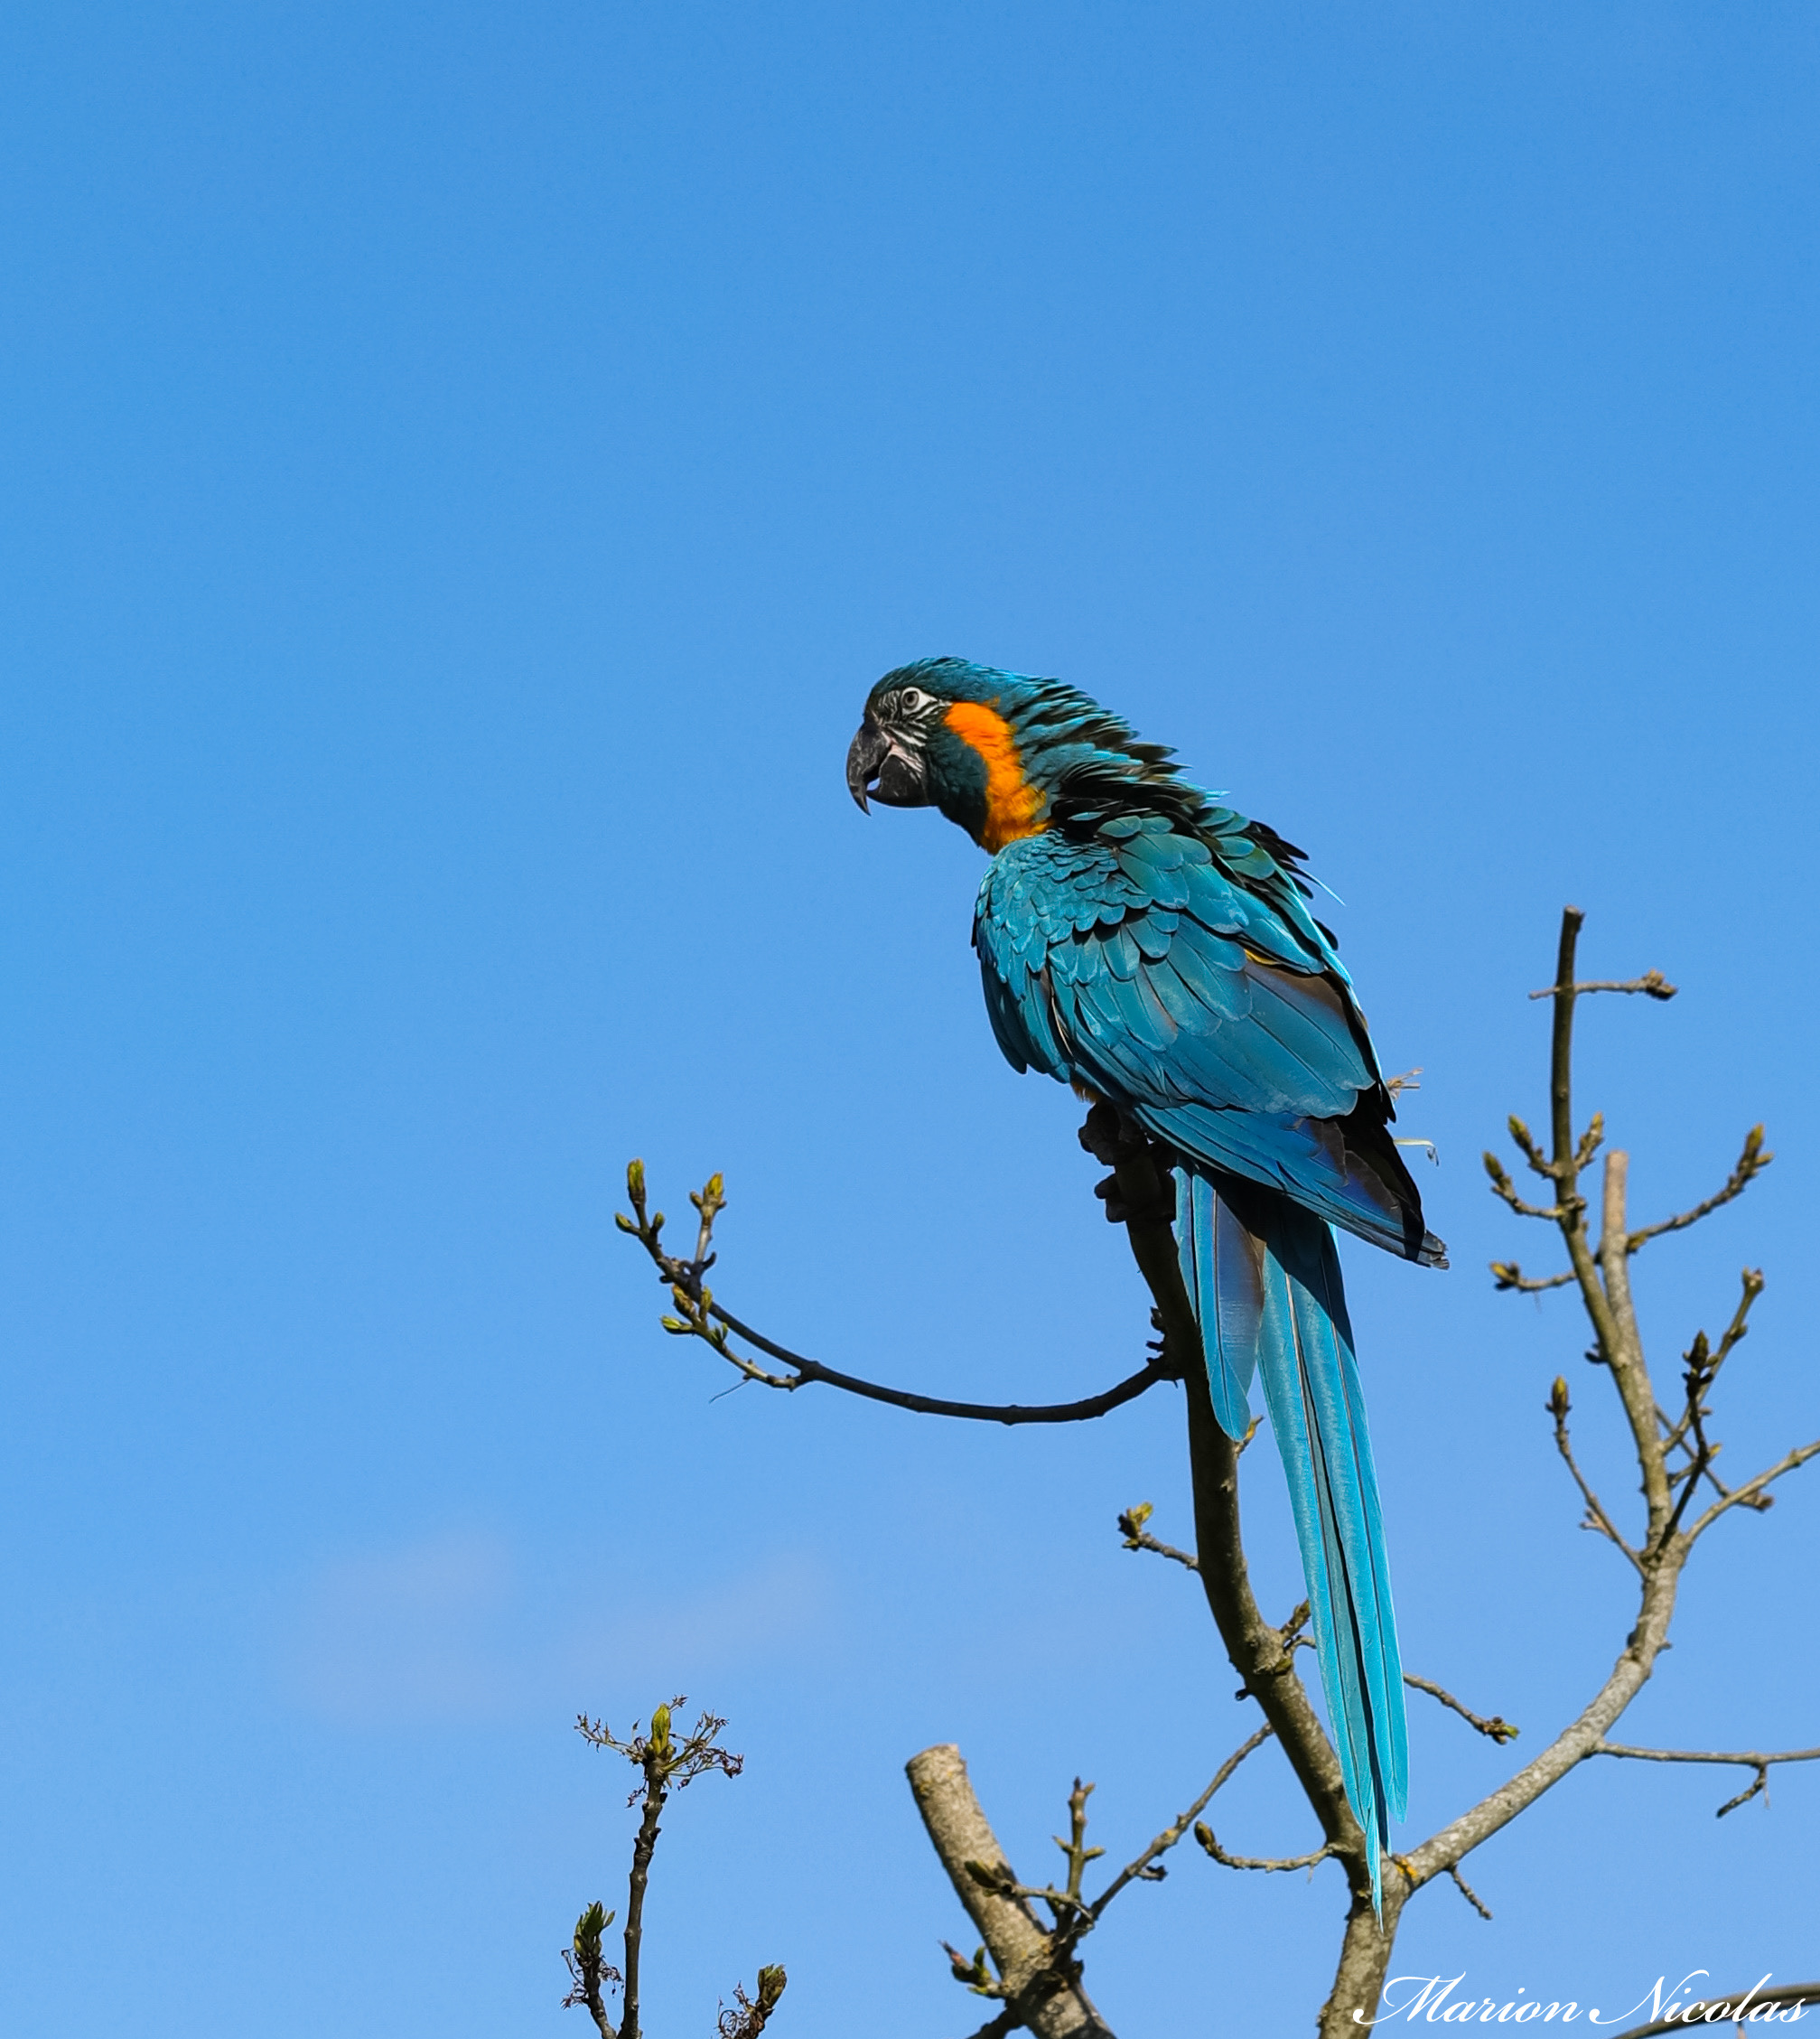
(1154, 949)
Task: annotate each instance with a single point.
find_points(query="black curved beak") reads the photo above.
(865, 754)
(878, 765)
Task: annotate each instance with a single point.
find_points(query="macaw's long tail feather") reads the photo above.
(1317, 1409)
(1261, 1261)
(1223, 1267)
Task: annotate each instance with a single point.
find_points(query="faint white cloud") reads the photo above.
(411, 1633)
(754, 1616)
(457, 1627)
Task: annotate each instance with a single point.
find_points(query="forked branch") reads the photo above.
(1507, 1274)
(1034, 1969)
(1758, 1760)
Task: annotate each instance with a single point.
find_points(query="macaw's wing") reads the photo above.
(1138, 963)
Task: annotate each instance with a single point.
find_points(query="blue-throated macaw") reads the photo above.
(1155, 949)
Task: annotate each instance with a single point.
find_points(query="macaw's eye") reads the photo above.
(913, 699)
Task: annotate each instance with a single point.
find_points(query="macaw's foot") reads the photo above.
(1109, 1137)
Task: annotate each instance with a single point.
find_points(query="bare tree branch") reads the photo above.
(1496, 1727)
(1652, 983)
(1146, 1865)
(699, 1315)
(1083, 1411)
(1036, 1990)
(1507, 1274)
(1750, 1164)
(1750, 1759)
(1471, 1895)
(1203, 1833)
(1703, 1364)
(666, 1764)
(1596, 1517)
(1136, 1537)
(1746, 1495)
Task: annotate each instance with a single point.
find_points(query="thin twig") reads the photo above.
(1503, 1186)
(1703, 1366)
(1746, 1495)
(1469, 1893)
(1496, 1727)
(1750, 1759)
(1203, 1833)
(1750, 1164)
(1590, 1141)
(1507, 1274)
(698, 1314)
(1144, 1868)
(1079, 1854)
(1596, 1517)
(1131, 1525)
(1652, 983)
(1072, 1913)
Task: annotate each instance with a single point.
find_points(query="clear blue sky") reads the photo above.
(461, 470)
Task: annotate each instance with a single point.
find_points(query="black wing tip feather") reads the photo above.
(1373, 1156)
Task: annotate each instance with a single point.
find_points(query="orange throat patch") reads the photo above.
(1014, 807)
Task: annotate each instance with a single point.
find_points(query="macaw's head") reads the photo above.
(1003, 755)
